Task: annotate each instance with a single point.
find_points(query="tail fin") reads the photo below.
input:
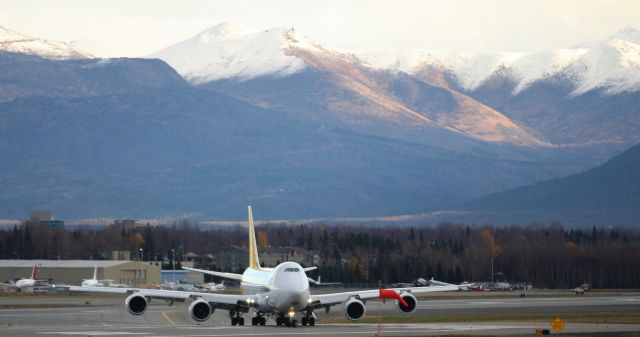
(33, 272)
(254, 262)
(95, 273)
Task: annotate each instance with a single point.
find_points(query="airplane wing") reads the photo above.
(10, 286)
(221, 301)
(309, 269)
(231, 276)
(325, 300)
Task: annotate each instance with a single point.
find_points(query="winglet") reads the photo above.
(33, 272)
(95, 272)
(390, 293)
(254, 262)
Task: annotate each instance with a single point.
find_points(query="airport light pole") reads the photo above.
(492, 270)
(173, 264)
(141, 254)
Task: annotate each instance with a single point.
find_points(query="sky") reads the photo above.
(139, 28)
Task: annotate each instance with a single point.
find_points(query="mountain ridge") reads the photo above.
(12, 41)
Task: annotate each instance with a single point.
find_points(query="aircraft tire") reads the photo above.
(240, 321)
(312, 321)
(262, 321)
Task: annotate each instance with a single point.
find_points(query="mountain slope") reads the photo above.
(612, 189)
(201, 154)
(577, 96)
(282, 68)
(26, 75)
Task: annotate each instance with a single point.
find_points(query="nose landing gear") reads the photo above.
(289, 320)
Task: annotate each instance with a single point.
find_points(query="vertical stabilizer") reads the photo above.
(33, 272)
(95, 273)
(254, 262)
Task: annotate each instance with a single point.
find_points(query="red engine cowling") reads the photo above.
(354, 309)
(200, 310)
(411, 304)
(136, 304)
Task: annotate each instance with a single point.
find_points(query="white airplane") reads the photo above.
(464, 286)
(93, 282)
(30, 282)
(213, 287)
(319, 283)
(179, 286)
(281, 292)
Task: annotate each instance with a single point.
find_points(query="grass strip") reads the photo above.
(597, 317)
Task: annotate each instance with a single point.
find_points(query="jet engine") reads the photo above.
(136, 304)
(354, 309)
(200, 310)
(411, 304)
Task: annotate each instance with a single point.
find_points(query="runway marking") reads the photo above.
(164, 314)
(95, 333)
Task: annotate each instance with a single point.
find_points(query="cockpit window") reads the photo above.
(291, 269)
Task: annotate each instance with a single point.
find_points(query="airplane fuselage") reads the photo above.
(23, 283)
(279, 290)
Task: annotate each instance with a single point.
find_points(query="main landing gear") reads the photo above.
(311, 321)
(236, 319)
(258, 320)
(309, 318)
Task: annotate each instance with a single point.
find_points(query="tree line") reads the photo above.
(545, 255)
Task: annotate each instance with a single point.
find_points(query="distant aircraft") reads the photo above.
(464, 286)
(92, 282)
(213, 287)
(30, 282)
(319, 283)
(281, 292)
(179, 286)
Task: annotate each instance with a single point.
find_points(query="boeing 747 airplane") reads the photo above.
(281, 292)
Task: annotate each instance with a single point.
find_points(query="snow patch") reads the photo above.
(231, 51)
(612, 65)
(12, 41)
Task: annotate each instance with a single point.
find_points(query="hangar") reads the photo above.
(72, 272)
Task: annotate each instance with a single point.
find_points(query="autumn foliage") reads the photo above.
(544, 255)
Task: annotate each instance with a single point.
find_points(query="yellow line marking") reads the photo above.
(164, 314)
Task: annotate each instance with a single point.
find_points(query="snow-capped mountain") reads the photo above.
(12, 41)
(312, 78)
(612, 65)
(229, 50)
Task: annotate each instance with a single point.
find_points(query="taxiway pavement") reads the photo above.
(106, 316)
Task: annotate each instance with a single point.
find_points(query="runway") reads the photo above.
(106, 316)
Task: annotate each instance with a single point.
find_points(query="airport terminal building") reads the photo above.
(72, 272)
